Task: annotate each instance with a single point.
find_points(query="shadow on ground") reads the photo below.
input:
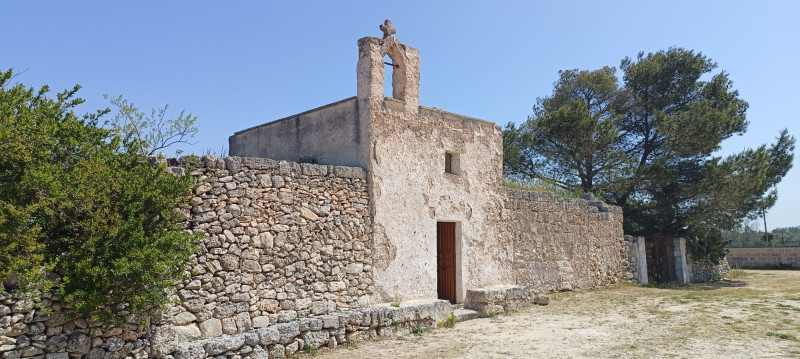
(725, 283)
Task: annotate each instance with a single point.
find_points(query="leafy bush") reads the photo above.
(78, 200)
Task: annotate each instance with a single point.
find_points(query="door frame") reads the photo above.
(458, 260)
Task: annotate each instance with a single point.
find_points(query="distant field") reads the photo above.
(752, 314)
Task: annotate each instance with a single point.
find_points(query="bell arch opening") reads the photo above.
(394, 77)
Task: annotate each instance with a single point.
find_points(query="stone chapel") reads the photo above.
(434, 176)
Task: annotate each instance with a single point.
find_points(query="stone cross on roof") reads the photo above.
(387, 29)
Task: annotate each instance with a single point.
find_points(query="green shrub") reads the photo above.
(78, 200)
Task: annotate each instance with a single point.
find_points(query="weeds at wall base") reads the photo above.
(310, 350)
(450, 322)
(418, 329)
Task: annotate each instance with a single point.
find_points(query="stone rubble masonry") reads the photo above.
(283, 242)
(764, 257)
(701, 270)
(29, 331)
(565, 244)
(287, 260)
(497, 299)
(329, 330)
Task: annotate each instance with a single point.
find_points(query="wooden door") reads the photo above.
(446, 260)
(660, 258)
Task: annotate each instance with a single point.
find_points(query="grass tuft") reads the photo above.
(782, 336)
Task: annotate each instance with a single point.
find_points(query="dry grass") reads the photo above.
(750, 314)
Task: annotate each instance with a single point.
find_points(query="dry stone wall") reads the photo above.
(283, 241)
(565, 244)
(287, 261)
(46, 331)
(765, 257)
(702, 270)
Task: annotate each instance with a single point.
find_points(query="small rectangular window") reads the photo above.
(451, 163)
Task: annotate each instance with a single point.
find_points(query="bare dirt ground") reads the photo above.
(753, 314)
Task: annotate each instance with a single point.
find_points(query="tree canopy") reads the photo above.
(648, 146)
(80, 201)
(572, 138)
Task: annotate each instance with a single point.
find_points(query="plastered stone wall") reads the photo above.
(564, 244)
(634, 260)
(332, 134)
(533, 239)
(411, 193)
(765, 257)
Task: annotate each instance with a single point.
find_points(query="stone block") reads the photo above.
(287, 316)
(302, 303)
(349, 172)
(288, 168)
(354, 268)
(229, 262)
(211, 328)
(336, 286)
(4, 340)
(287, 331)
(163, 341)
(269, 335)
(309, 169)
(191, 350)
(229, 326)
(261, 321)
(277, 351)
(310, 324)
(259, 163)
(330, 321)
(251, 266)
(183, 318)
(319, 307)
(233, 164)
(224, 344)
(308, 214)
(316, 339)
(243, 322)
(78, 344)
(224, 310)
(194, 305)
(187, 332)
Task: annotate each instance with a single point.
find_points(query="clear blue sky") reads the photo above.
(237, 64)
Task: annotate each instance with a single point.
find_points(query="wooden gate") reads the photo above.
(660, 258)
(446, 260)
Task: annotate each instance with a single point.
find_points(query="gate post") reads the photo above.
(640, 255)
(681, 265)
